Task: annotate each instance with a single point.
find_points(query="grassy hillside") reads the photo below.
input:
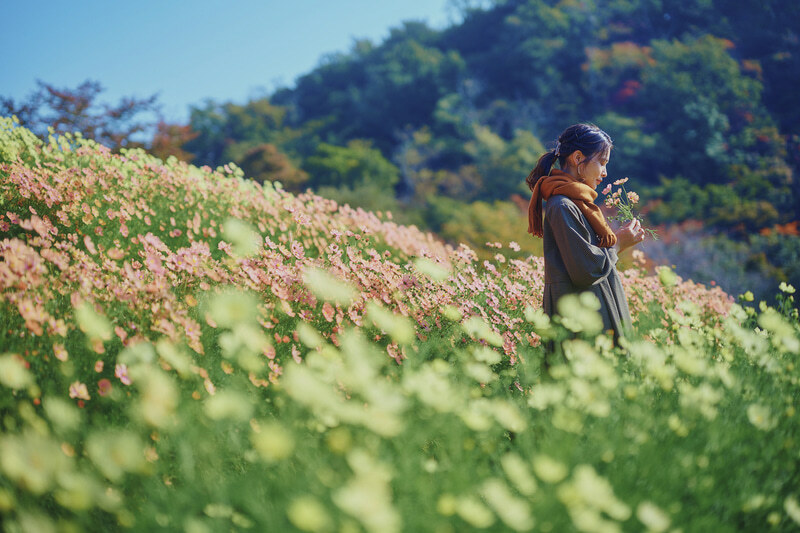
(185, 349)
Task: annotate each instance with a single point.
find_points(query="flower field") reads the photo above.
(182, 349)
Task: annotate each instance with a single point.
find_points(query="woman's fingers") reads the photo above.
(635, 230)
(631, 233)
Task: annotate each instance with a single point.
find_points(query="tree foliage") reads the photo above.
(123, 125)
(354, 165)
(682, 87)
(170, 139)
(266, 163)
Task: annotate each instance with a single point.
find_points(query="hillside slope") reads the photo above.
(185, 349)
(108, 228)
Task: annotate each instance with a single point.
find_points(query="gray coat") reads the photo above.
(573, 263)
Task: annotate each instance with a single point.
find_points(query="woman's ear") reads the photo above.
(577, 157)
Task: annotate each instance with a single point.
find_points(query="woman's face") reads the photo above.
(593, 171)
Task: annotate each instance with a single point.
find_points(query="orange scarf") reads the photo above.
(559, 182)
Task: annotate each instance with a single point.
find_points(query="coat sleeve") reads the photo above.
(586, 263)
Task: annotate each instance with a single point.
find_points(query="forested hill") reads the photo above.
(698, 96)
(690, 89)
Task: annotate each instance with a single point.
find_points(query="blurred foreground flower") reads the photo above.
(327, 287)
(581, 313)
(272, 441)
(13, 373)
(367, 495)
(761, 417)
(436, 271)
(159, 397)
(308, 514)
(92, 323)
(79, 390)
(792, 509)
(245, 239)
(398, 327)
(549, 469)
(116, 452)
(653, 517)
(233, 306)
(667, 276)
(33, 461)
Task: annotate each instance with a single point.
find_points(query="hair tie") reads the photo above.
(557, 149)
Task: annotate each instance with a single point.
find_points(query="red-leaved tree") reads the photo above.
(129, 123)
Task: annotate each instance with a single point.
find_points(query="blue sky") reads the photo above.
(188, 51)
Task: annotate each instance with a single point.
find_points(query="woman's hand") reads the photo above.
(630, 234)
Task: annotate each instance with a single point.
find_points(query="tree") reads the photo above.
(266, 163)
(403, 86)
(504, 164)
(170, 139)
(636, 154)
(375, 92)
(766, 36)
(125, 124)
(697, 99)
(351, 166)
(226, 132)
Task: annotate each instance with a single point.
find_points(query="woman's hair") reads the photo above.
(587, 138)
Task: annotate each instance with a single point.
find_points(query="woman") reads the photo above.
(580, 249)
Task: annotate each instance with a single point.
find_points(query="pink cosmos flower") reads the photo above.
(103, 387)
(225, 247)
(607, 189)
(79, 390)
(297, 250)
(296, 354)
(89, 245)
(396, 352)
(121, 373)
(328, 312)
(154, 263)
(60, 352)
(115, 254)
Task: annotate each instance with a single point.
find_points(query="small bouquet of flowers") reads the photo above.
(624, 201)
